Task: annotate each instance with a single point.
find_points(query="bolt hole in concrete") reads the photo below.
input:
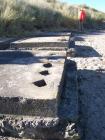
(45, 72)
(47, 65)
(40, 83)
(52, 54)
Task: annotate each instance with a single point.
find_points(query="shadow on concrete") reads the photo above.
(86, 51)
(24, 57)
(68, 105)
(78, 38)
(91, 86)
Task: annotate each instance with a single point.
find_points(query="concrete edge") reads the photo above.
(69, 100)
(37, 122)
(18, 130)
(71, 51)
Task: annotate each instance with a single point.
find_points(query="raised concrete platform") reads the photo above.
(40, 43)
(31, 85)
(28, 116)
(38, 92)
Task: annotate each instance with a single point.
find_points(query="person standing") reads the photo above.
(82, 18)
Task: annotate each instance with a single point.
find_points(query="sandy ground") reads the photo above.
(91, 84)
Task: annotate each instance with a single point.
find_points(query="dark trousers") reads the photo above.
(81, 27)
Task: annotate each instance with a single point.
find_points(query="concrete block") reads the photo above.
(71, 52)
(51, 42)
(25, 89)
(38, 90)
(71, 43)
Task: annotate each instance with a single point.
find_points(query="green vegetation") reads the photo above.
(21, 17)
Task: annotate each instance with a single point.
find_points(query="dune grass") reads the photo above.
(21, 17)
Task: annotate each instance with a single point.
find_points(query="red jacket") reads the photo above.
(82, 15)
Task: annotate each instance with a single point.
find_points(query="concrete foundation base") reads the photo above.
(38, 93)
(25, 89)
(41, 43)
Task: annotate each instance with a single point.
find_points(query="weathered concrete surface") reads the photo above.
(69, 100)
(11, 138)
(19, 92)
(27, 127)
(55, 42)
(36, 127)
(38, 93)
(71, 52)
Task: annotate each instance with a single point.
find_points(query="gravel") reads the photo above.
(90, 59)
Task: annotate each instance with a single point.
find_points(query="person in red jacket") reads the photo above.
(82, 18)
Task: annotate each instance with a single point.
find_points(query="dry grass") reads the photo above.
(18, 17)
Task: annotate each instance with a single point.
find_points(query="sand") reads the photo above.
(91, 84)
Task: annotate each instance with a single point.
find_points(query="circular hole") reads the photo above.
(40, 83)
(45, 72)
(47, 65)
(52, 54)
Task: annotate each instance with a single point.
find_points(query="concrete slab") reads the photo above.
(38, 90)
(37, 112)
(25, 89)
(41, 42)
